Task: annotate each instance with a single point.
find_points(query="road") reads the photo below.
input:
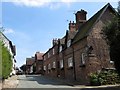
(33, 82)
(36, 81)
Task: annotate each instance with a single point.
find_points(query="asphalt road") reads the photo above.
(35, 81)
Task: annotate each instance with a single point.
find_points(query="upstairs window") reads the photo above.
(61, 64)
(70, 62)
(68, 43)
(54, 65)
(60, 48)
(48, 54)
(83, 58)
(44, 68)
(44, 57)
(53, 51)
(49, 66)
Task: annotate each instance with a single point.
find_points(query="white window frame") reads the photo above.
(60, 48)
(49, 66)
(44, 57)
(54, 64)
(53, 51)
(48, 54)
(70, 62)
(68, 43)
(83, 58)
(61, 64)
(44, 68)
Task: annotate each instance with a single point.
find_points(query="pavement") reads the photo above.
(11, 82)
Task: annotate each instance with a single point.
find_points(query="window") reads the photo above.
(83, 59)
(48, 54)
(54, 65)
(68, 43)
(44, 68)
(49, 67)
(44, 57)
(61, 63)
(60, 49)
(70, 62)
(53, 51)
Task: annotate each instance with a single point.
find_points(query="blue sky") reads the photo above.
(32, 26)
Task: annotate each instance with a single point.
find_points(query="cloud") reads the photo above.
(32, 3)
(52, 4)
(9, 31)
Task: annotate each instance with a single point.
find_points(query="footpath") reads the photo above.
(11, 82)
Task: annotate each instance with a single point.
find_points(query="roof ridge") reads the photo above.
(85, 28)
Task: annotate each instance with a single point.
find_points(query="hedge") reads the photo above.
(6, 62)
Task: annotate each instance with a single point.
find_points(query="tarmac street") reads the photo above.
(36, 81)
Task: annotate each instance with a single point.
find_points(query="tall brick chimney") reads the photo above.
(80, 18)
(55, 41)
(72, 26)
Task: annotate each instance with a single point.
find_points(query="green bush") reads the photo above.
(105, 77)
(6, 62)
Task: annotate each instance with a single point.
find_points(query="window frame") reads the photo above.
(60, 48)
(54, 64)
(61, 64)
(68, 43)
(70, 62)
(49, 66)
(83, 55)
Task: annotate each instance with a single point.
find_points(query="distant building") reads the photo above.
(82, 50)
(30, 65)
(39, 63)
(11, 48)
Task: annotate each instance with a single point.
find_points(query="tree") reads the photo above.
(112, 36)
(23, 67)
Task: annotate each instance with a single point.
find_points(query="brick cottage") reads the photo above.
(82, 50)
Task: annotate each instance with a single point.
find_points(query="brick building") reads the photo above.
(82, 50)
(30, 65)
(39, 63)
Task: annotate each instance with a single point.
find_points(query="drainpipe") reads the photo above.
(74, 71)
(63, 56)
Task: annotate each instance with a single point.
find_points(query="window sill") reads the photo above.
(61, 68)
(53, 68)
(82, 65)
(70, 68)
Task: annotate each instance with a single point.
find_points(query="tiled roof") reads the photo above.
(30, 61)
(71, 34)
(62, 41)
(86, 27)
(39, 56)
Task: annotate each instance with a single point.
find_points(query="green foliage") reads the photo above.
(0, 59)
(105, 77)
(112, 36)
(6, 62)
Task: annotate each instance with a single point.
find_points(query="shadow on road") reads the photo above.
(44, 80)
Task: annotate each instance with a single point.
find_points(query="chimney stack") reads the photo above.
(55, 41)
(80, 18)
(72, 26)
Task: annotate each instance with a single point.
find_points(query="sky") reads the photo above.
(32, 24)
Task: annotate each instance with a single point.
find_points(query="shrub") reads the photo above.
(105, 77)
(6, 62)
